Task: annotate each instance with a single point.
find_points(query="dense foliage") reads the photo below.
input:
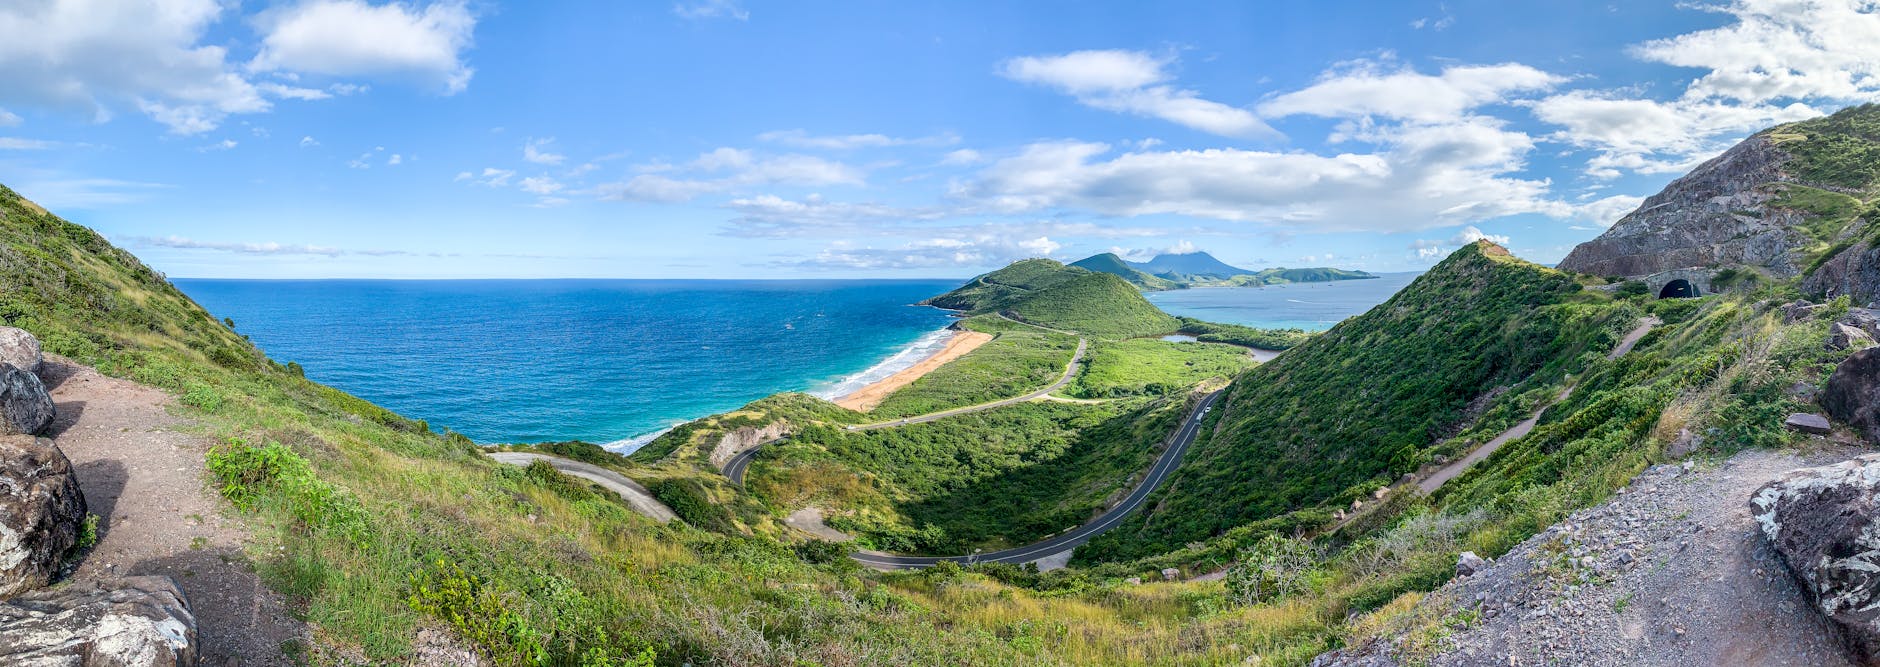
(1245, 336)
(1149, 366)
(1841, 150)
(1049, 294)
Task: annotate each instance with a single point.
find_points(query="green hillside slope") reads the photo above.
(1359, 404)
(1109, 263)
(1049, 294)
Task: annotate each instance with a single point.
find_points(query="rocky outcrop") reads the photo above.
(21, 349)
(1821, 521)
(1469, 563)
(25, 405)
(1853, 392)
(41, 509)
(1808, 423)
(735, 442)
(1854, 272)
(129, 622)
(1717, 215)
(1842, 336)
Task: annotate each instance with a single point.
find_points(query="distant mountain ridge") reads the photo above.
(1200, 269)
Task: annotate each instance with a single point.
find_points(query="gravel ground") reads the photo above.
(1672, 571)
(146, 482)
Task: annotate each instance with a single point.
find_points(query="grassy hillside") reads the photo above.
(1840, 150)
(1049, 294)
(1019, 360)
(1359, 405)
(1148, 366)
(1312, 275)
(1109, 263)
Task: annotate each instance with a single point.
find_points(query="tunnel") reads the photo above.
(1679, 289)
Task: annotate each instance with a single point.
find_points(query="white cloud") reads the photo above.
(292, 92)
(532, 151)
(1471, 234)
(268, 248)
(394, 160)
(964, 156)
(308, 142)
(803, 139)
(1367, 88)
(711, 9)
(540, 185)
(56, 192)
(1420, 177)
(986, 249)
(1132, 82)
(1434, 250)
(222, 145)
(89, 56)
(353, 38)
(726, 170)
(1605, 211)
(18, 144)
(491, 177)
(1653, 137)
(8, 118)
(1781, 49)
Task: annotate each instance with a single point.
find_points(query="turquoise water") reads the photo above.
(608, 361)
(1309, 306)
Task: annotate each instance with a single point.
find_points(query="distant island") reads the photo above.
(1170, 271)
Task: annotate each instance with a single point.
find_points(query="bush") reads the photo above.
(823, 552)
(202, 396)
(252, 476)
(1272, 569)
(692, 502)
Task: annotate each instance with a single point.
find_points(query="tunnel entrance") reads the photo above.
(1679, 289)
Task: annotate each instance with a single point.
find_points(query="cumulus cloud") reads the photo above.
(711, 9)
(222, 145)
(1369, 88)
(770, 216)
(8, 118)
(534, 150)
(353, 38)
(18, 144)
(540, 185)
(1780, 49)
(1654, 137)
(1434, 250)
(964, 156)
(1133, 82)
(489, 177)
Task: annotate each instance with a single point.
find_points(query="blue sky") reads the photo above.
(722, 138)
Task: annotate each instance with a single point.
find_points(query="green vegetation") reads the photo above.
(585, 452)
(1840, 150)
(1109, 263)
(1234, 334)
(1148, 366)
(1018, 361)
(991, 479)
(1049, 294)
(1361, 404)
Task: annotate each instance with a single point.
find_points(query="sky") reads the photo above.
(755, 139)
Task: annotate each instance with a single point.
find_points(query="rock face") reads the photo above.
(1841, 336)
(735, 442)
(21, 349)
(1821, 521)
(129, 622)
(1853, 392)
(25, 406)
(1716, 215)
(1807, 423)
(1469, 563)
(41, 509)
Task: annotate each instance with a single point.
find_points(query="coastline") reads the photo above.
(866, 397)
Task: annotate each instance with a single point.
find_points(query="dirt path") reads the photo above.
(866, 398)
(810, 520)
(1672, 571)
(146, 482)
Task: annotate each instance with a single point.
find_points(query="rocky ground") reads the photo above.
(146, 482)
(1672, 571)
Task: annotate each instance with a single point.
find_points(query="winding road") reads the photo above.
(1171, 457)
(636, 496)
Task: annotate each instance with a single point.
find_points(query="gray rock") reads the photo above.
(129, 622)
(1853, 392)
(1820, 521)
(1843, 336)
(25, 407)
(1797, 311)
(1717, 215)
(21, 349)
(1171, 574)
(1468, 564)
(1808, 423)
(41, 509)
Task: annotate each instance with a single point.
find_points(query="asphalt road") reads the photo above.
(637, 496)
(1170, 458)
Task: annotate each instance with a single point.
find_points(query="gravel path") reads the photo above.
(146, 482)
(1672, 571)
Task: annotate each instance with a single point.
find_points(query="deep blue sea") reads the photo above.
(597, 360)
(1309, 306)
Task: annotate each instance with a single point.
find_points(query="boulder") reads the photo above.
(1468, 564)
(1820, 521)
(1808, 423)
(1171, 574)
(25, 407)
(128, 622)
(21, 349)
(1796, 311)
(1853, 392)
(41, 510)
(1843, 336)
(1865, 319)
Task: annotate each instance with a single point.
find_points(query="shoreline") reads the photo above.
(868, 396)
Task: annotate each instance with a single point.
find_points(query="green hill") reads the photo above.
(1049, 294)
(1312, 275)
(1361, 402)
(1109, 263)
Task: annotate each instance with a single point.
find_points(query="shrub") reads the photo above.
(252, 476)
(202, 396)
(1272, 569)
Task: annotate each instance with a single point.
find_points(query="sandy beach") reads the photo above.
(866, 398)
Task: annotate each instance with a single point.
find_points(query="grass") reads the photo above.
(1018, 361)
(1049, 294)
(1152, 367)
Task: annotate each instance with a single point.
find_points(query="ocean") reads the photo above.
(1308, 306)
(619, 361)
(607, 361)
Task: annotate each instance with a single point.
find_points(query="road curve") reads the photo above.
(637, 496)
(1164, 465)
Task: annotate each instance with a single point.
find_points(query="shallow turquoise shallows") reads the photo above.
(607, 361)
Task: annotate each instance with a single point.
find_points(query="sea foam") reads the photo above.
(919, 350)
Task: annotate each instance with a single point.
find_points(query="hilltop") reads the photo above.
(1200, 269)
(1049, 294)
